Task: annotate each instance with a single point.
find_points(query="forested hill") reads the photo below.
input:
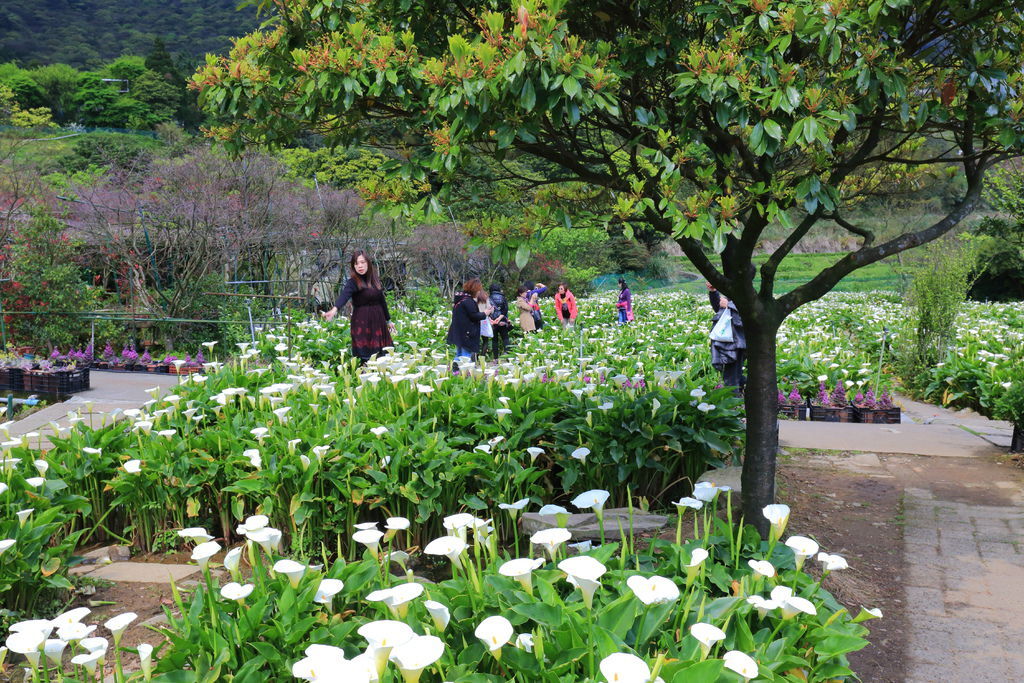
(87, 33)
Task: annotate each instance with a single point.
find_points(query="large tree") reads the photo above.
(709, 120)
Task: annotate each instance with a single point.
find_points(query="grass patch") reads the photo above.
(796, 269)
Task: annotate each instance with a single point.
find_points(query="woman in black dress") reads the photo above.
(371, 322)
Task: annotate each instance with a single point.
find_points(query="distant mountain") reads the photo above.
(87, 33)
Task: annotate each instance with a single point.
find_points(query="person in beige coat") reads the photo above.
(525, 311)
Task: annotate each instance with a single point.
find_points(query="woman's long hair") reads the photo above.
(371, 278)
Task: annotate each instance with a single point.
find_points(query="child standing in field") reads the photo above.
(499, 320)
(625, 303)
(486, 328)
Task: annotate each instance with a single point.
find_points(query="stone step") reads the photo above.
(584, 527)
(138, 572)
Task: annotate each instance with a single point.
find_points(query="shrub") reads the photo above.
(34, 567)
(942, 279)
(118, 150)
(43, 279)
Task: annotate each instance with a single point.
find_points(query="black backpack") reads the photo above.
(499, 301)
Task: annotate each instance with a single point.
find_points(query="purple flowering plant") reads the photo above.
(823, 396)
(129, 356)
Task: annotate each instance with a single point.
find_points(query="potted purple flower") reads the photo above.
(129, 357)
(107, 358)
(792, 405)
(152, 364)
(191, 365)
(831, 405)
(877, 410)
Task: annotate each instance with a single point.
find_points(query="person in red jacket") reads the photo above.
(565, 305)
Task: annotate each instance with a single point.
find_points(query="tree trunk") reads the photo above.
(1017, 440)
(761, 399)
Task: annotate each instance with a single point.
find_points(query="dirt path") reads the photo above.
(937, 542)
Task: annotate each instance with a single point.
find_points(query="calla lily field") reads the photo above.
(365, 523)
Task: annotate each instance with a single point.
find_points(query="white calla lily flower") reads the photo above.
(655, 590)
(494, 632)
(415, 655)
(622, 667)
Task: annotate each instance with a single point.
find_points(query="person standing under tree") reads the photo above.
(371, 325)
(534, 291)
(727, 356)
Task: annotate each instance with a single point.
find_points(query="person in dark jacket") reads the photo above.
(371, 326)
(464, 331)
(728, 357)
(499, 323)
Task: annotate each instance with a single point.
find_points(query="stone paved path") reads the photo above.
(109, 391)
(964, 590)
(925, 430)
(963, 537)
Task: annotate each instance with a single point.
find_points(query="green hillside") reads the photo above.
(87, 33)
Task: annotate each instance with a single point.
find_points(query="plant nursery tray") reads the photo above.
(12, 379)
(883, 416)
(828, 414)
(57, 382)
(791, 412)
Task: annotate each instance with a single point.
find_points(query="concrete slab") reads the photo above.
(916, 439)
(584, 527)
(725, 476)
(962, 616)
(926, 413)
(122, 386)
(143, 572)
(109, 391)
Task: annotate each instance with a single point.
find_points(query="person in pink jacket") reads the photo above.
(565, 305)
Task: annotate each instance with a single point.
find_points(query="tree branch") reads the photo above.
(869, 237)
(824, 281)
(769, 268)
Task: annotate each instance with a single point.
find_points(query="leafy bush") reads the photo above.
(446, 445)
(118, 150)
(427, 300)
(44, 281)
(38, 520)
(574, 615)
(942, 279)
